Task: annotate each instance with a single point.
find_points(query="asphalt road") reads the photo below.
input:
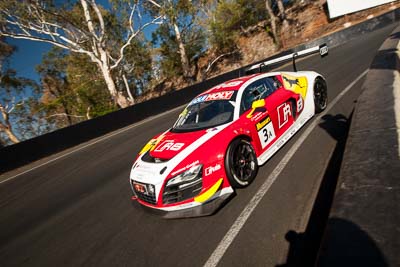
(76, 210)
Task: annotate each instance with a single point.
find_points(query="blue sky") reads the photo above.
(28, 55)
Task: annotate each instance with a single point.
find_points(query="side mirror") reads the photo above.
(258, 104)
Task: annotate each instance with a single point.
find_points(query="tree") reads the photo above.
(229, 19)
(282, 14)
(59, 100)
(81, 27)
(273, 20)
(17, 99)
(179, 35)
(72, 89)
(9, 104)
(168, 49)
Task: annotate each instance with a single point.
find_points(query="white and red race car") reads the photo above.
(222, 136)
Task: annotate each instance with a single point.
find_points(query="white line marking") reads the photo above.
(250, 207)
(95, 142)
(396, 93)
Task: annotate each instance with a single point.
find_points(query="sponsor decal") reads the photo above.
(198, 99)
(229, 84)
(224, 95)
(284, 111)
(295, 84)
(187, 167)
(266, 132)
(210, 170)
(262, 123)
(169, 145)
(257, 116)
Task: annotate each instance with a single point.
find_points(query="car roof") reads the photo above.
(236, 84)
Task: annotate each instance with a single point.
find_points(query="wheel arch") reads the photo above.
(227, 162)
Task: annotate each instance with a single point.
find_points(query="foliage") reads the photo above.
(139, 66)
(18, 99)
(82, 27)
(73, 90)
(170, 63)
(179, 40)
(230, 17)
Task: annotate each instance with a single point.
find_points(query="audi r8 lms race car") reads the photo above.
(222, 137)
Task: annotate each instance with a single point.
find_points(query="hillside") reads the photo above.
(307, 21)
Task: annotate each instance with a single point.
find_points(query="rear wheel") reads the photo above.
(320, 95)
(240, 163)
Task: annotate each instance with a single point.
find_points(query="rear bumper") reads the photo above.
(203, 209)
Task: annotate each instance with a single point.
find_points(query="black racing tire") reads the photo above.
(320, 95)
(240, 163)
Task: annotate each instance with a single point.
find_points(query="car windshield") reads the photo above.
(204, 115)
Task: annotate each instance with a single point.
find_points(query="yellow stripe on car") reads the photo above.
(209, 193)
(151, 145)
(148, 146)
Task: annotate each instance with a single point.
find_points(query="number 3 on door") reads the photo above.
(266, 134)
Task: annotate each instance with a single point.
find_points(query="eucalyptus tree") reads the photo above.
(273, 22)
(17, 97)
(180, 38)
(83, 27)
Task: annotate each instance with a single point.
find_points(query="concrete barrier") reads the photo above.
(363, 225)
(36, 148)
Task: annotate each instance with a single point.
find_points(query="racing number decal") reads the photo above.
(265, 131)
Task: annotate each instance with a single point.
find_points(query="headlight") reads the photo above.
(184, 186)
(187, 178)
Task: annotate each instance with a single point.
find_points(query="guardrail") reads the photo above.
(36, 148)
(363, 225)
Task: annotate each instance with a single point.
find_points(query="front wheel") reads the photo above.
(240, 163)
(320, 95)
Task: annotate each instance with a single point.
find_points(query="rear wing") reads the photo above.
(258, 68)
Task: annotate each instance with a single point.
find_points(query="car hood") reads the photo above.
(172, 143)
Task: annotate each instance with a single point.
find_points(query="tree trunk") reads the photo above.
(88, 113)
(13, 138)
(118, 97)
(273, 20)
(182, 51)
(282, 14)
(6, 125)
(128, 90)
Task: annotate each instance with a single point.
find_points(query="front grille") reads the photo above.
(174, 194)
(147, 197)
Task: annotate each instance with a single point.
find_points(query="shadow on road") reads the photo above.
(337, 126)
(352, 246)
(304, 247)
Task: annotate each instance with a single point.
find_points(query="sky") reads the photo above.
(28, 55)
